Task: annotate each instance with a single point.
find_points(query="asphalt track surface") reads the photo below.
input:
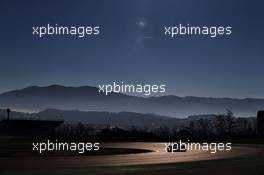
(157, 156)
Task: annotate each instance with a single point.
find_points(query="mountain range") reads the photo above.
(87, 98)
(121, 119)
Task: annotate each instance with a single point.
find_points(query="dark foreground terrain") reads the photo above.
(248, 159)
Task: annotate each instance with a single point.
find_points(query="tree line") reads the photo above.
(220, 126)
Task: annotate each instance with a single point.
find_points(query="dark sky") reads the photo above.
(201, 66)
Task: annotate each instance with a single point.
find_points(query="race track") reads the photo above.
(157, 156)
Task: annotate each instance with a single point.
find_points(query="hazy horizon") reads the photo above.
(131, 94)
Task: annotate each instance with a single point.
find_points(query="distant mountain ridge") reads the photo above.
(121, 119)
(87, 98)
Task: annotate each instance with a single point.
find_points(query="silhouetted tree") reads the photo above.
(204, 128)
(220, 124)
(230, 122)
